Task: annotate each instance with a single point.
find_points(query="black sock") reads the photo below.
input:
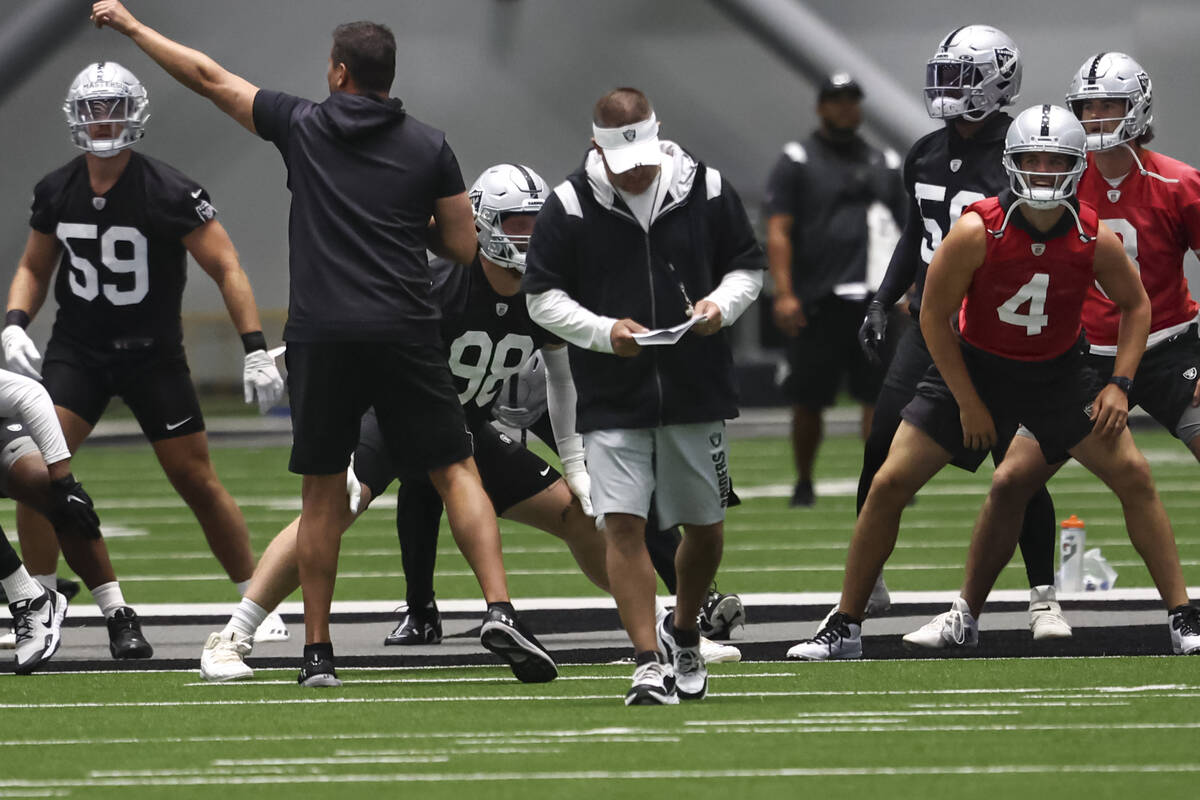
(505, 607)
(319, 651)
(686, 638)
(648, 657)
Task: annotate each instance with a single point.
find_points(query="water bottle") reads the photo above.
(1071, 547)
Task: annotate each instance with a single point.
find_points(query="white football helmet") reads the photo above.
(1113, 75)
(1041, 129)
(975, 71)
(502, 190)
(106, 92)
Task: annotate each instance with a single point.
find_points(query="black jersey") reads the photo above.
(124, 266)
(487, 336)
(943, 174)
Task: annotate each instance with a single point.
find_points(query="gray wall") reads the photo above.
(515, 79)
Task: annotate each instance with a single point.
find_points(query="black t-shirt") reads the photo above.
(364, 176)
(487, 336)
(124, 265)
(943, 174)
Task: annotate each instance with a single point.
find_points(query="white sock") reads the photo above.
(246, 618)
(660, 607)
(49, 581)
(21, 586)
(108, 597)
(242, 586)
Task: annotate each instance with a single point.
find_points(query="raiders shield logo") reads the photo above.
(1114, 195)
(501, 309)
(99, 203)
(1190, 374)
(955, 164)
(629, 135)
(714, 438)
(1038, 248)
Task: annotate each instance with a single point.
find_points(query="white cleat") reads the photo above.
(880, 601)
(8, 640)
(955, 628)
(717, 653)
(1184, 622)
(223, 657)
(691, 674)
(273, 629)
(37, 625)
(653, 685)
(1046, 618)
(839, 638)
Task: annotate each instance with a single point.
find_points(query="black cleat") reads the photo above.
(317, 670)
(125, 639)
(505, 636)
(720, 614)
(416, 628)
(67, 588)
(802, 495)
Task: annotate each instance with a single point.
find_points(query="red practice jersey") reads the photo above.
(1158, 221)
(1025, 301)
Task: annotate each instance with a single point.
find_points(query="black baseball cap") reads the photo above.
(839, 83)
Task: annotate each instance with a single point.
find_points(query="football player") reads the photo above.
(1152, 203)
(972, 76)
(121, 225)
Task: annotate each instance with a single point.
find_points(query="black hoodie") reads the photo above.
(364, 176)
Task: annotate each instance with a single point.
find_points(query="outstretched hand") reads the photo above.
(113, 14)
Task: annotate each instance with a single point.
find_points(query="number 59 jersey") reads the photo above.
(1025, 301)
(487, 336)
(123, 264)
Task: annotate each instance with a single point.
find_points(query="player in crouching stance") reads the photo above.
(1034, 248)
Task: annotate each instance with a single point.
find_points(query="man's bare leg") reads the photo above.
(318, 540)
(631, 578)
(472, 520)
(558, 512)
(696, 563)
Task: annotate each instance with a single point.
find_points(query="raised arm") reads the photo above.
(231, 93)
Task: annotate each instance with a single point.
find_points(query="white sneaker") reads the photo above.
(222, 657)
(954, 628)
(838, 638)
(717, 653)
(273, 629)
(691, 675)
(653, 685)
(1184, 622)
(37, 626)
(880, 601)
(8, 640)
(1046, 619)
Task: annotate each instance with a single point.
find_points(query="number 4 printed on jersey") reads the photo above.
(1033, 293)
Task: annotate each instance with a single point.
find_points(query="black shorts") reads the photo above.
(825, 351)
(1165, 379)
(1052, 398)
(510, 472)
(332, 384)
(156, 386)
(910, 359)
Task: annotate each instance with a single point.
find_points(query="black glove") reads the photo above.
(873, 331)
(71, 509)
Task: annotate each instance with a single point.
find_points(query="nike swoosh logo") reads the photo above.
(173, 425)
(197, 193)
(71, 497)
(544, 472)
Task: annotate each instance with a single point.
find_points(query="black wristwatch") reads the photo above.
(1122, 383)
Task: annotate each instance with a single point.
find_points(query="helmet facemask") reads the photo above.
(501, 248)
(975, 71)
(106, 109)
(1043, 190)
(1112, 76)
(1124, 131)
(501, 192)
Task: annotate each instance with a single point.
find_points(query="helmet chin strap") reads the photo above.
(1022, 201)
(1142, 169)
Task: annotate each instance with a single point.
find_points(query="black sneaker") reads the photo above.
(505, 636)
(125, 639)
(415, 628)
(316, 671)
(802, 495)
(720, 614)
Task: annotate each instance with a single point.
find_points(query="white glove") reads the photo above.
(20, 353)
(259, 377)
(521, 400)
(580, 484)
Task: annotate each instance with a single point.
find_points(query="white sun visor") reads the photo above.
(629, 146)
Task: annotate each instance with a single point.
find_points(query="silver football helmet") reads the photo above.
(1113, 76)
(975, 71)
(106, 93)
(1042, 129)
(502, 190)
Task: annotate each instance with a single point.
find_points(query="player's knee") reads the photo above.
(28, 479)
(1012, 485)
(1132, 479)
(890, 488)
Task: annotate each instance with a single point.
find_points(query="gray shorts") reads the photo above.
(15, 444)
(685, 468)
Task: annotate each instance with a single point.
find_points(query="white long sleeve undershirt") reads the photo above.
(27, 400)
(562, 315)
(737, 290)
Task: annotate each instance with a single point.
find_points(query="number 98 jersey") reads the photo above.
(488, 336)
(123, 264)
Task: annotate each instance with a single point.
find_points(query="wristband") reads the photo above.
(1122, 383)
(17, 317)
(254, 340)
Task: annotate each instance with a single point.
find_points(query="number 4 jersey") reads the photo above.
(1025, 301)
(123, 265)
(487, 336)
